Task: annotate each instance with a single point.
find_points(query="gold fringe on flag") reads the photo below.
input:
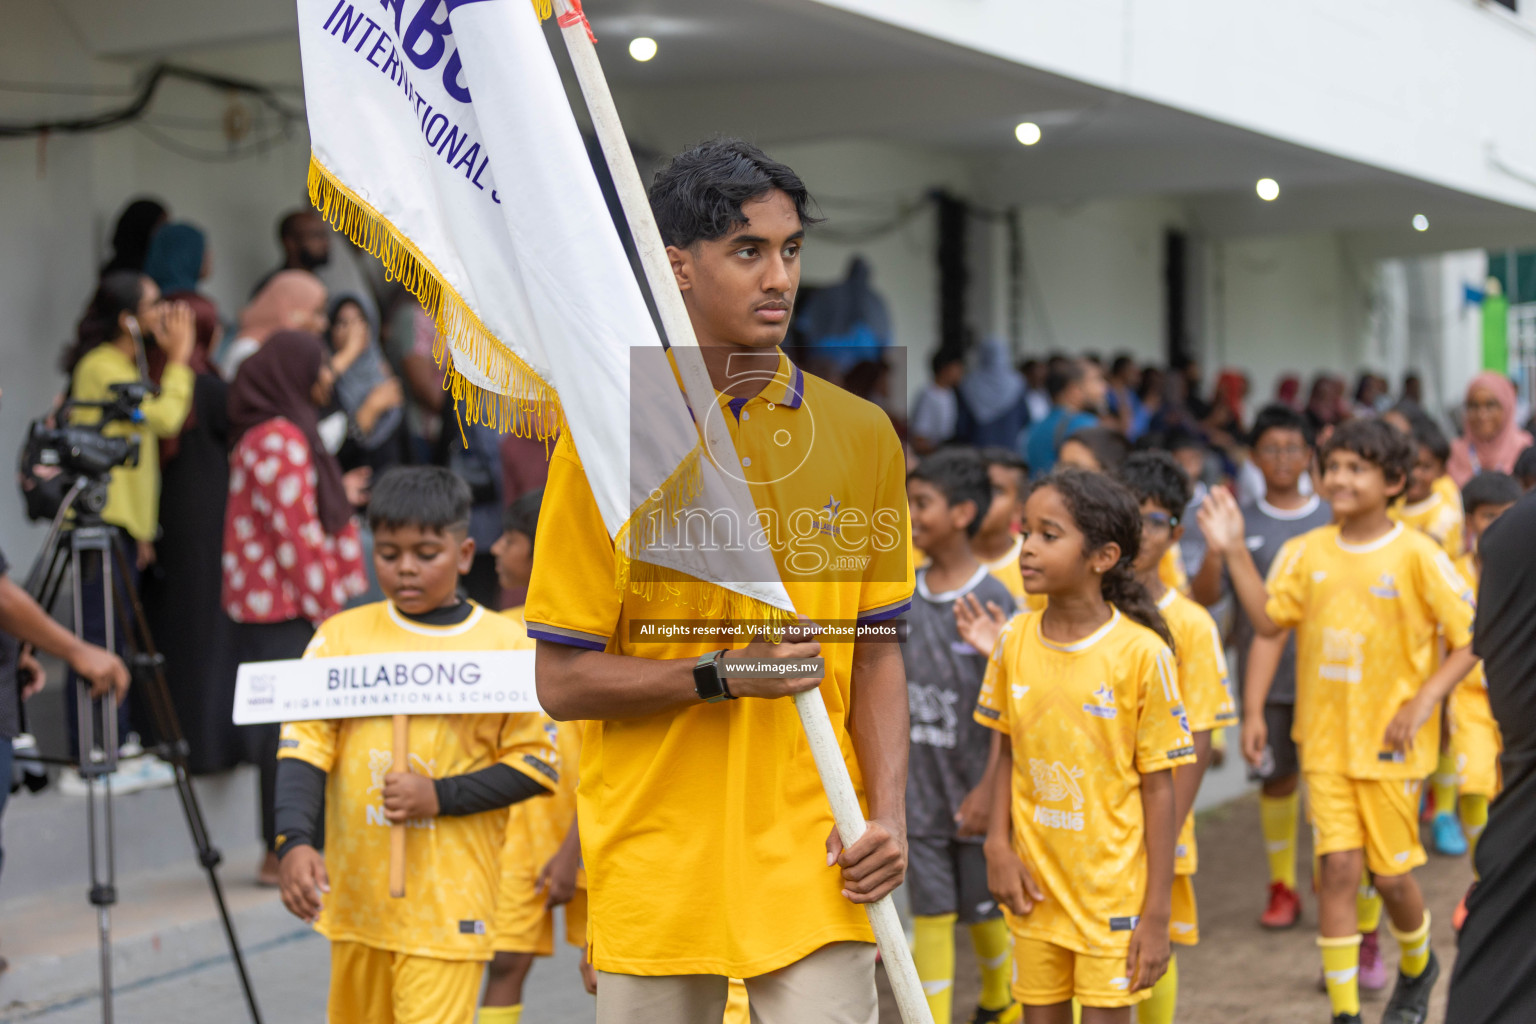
(523, 403)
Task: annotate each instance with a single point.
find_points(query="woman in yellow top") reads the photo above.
(105, 353)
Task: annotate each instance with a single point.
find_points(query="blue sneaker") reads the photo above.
(1447, 836)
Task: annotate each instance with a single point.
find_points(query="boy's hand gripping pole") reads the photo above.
(577, 34)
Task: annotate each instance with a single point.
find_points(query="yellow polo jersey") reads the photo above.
(1085, 721)
(1206, 687)
(1439, 516)
(703, 829)
(452, 863)
(1367, 618)
(536, 828)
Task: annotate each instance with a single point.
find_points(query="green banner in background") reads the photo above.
(1495, 330)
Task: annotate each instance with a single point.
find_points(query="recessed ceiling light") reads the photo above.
(642, 48)
(1420, 222)
(1268, 189)
(1028, 133)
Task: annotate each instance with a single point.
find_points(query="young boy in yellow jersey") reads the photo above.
(1369, 600)
(541, 857)
(419, 958)
(1161, 486)
(1475, 742)
(947, 768)
(996, 543)
(1080, 841)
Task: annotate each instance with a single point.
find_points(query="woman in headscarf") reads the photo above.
(136, 225)
(181, 590)
(366, 391)
(1491, 440)
(993, 395)
(291, 552)
(293, 300)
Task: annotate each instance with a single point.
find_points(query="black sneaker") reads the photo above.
(1410, 997)
(1347, 1018)
(1009, 1014)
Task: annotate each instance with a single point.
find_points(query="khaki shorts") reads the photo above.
(834, 985)
(1045, 974)
(369, 985)
(1184, 921)
(1379, 816)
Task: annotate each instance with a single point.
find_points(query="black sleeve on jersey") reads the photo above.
(499, 785)
(298, 803)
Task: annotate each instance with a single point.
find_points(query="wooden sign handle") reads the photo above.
(397, 830)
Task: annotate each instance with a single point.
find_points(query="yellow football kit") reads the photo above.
(719, 805)
(1438, 515)
(1084, 721)
(1206, 687)
(451, 862)
(1368, 618)
(1475, 741)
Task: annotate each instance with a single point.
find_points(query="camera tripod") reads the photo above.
(84, 552)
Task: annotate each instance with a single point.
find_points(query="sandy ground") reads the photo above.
(1241, 974)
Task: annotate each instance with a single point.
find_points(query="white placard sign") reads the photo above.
(365, 685)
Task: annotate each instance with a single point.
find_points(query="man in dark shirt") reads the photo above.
(1496, 965)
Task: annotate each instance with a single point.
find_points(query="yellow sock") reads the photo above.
(1341, 972)
(737, 1009)
(1474, 818)
(994, 949)
(1412, 948)
(933, 952)
(500, 1014)
(1443, 784)
(1158, 1007)
(1367, 906)
(1277, 817)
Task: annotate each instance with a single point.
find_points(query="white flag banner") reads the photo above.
(367, 685)
(443, 143)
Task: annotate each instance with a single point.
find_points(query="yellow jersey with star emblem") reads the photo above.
(1438, 515)
(452, 863)
(1084, 722)
(720, 806)
(1206, 687)
(1367, 619)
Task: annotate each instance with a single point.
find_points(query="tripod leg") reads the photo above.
(98, 755)
(173, 747)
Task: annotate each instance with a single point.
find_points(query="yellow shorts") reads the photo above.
(1184, 921)
(1045, 974)
(1379, 816)
(370, 985)
(1475, 742)
(525, 925)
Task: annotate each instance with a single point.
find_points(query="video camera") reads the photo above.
(57, 454)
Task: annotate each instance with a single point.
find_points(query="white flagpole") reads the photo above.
(889, 935)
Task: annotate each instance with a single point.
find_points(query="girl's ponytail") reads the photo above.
(1123, 590)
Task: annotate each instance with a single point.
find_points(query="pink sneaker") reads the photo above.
(1373, 970)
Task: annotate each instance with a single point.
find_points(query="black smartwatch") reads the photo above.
(709, 681)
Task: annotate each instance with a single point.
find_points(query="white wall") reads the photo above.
(56, 215)
(1094, 277)
(1437, 89)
